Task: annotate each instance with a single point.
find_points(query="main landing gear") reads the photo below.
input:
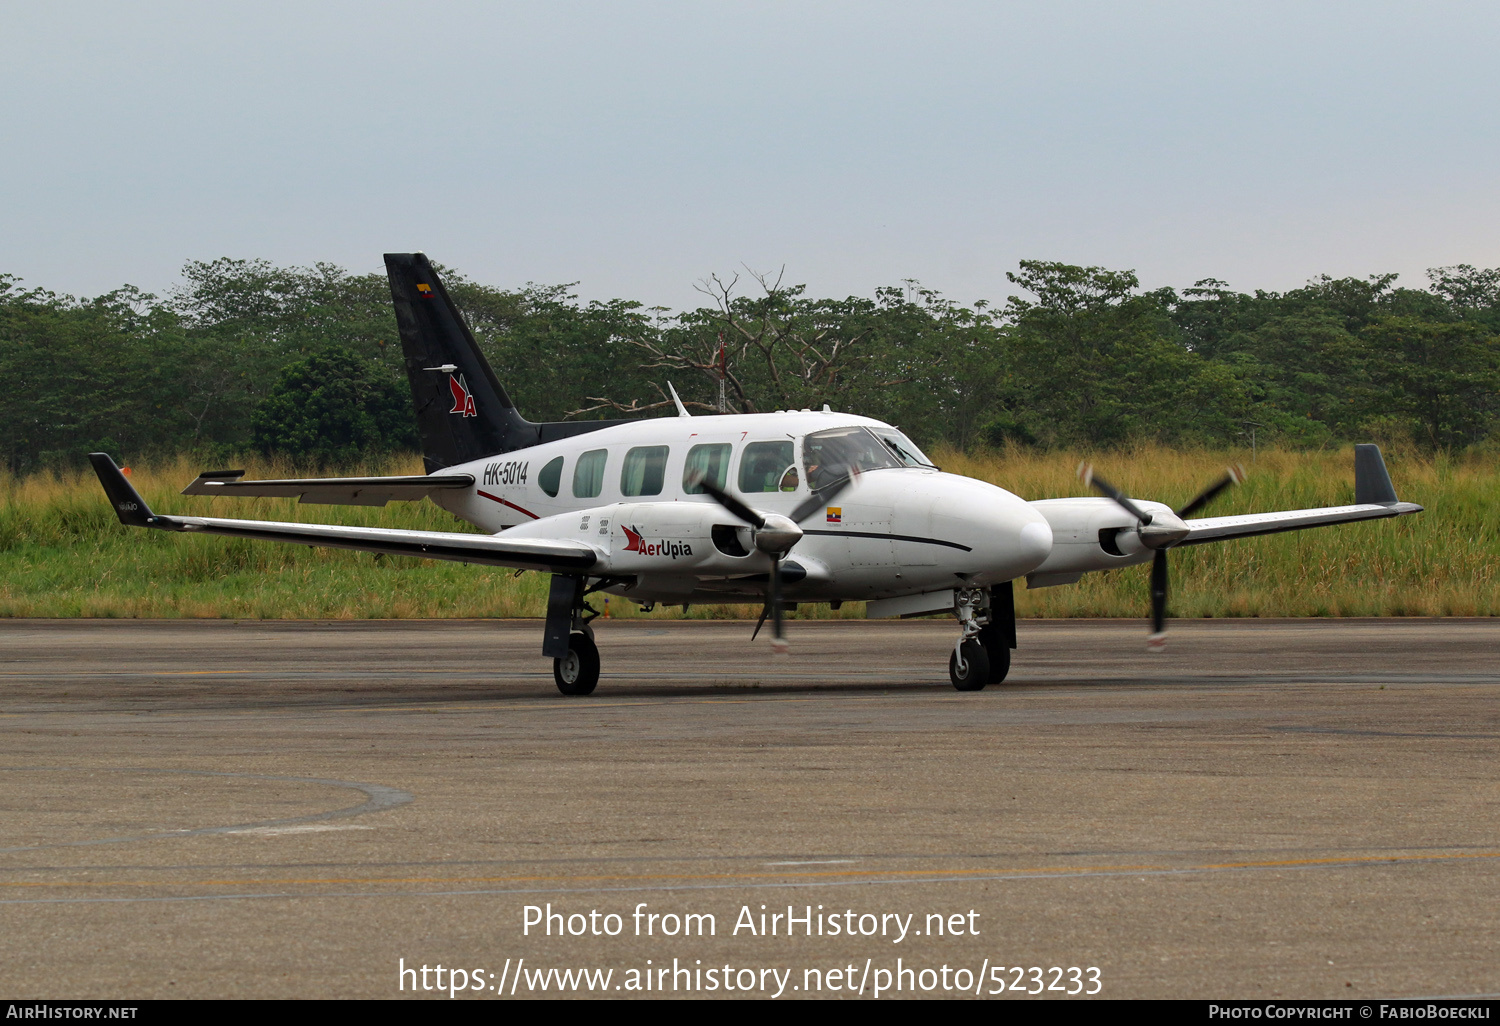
(987, 622)
(577, 673)
(569, 639)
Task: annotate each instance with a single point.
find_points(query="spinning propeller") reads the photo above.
(775, 535)
(1159, 532)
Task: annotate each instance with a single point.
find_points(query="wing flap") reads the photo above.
(1211, 529)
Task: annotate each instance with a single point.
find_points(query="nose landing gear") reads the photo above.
(987, 623)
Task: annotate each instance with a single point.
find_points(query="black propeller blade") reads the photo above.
(1160, 534)
(1232, 476)
(730, 503)
(823, 496)
(773, 599)
(1088, 477)
(1157, 639)
(772, 608)
(777, 539)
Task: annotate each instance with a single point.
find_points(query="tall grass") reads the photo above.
(63, 554)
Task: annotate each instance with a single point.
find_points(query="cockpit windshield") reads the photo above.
(830, 454)
(902, 447)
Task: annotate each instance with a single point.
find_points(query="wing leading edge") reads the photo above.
(1210, 529)
(520, 553)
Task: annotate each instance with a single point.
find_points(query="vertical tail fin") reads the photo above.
(463, 412)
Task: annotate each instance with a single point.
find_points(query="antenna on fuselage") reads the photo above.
(681, 409)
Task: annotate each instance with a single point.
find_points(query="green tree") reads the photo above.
(1092, 360)
(330, 408)
(1442, 378)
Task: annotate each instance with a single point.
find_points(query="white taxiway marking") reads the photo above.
(812, 862)
(308, 828)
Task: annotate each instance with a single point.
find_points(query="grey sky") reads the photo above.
(638, 147)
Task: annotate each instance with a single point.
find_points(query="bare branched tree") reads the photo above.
(634, 406)
(772, 346)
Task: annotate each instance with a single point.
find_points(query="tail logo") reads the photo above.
(425, 291)
(463, 402)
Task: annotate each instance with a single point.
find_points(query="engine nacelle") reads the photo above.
(1092, 534)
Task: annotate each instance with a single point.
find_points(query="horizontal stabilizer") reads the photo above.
(333, 491)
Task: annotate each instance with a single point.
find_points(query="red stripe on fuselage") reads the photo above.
(512, 505)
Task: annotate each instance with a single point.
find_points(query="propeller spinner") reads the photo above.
(1159, 532)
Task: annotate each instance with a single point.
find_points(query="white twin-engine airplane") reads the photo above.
(786, 507)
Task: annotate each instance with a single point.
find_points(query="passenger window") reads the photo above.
(588, 474)
(763, 464)
(644, 471)
(551, 477)
(708, 463)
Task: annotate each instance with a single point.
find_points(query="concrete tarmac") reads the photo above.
(266, 809)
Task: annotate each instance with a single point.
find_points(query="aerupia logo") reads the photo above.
(463, 402)
(635, 543)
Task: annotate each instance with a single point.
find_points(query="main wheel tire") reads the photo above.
(578, 672)
(998, 650)
(974, 672)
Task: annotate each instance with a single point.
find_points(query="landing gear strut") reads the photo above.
(569, 639)
(987, 624)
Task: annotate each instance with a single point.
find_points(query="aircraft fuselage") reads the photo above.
(627, 491)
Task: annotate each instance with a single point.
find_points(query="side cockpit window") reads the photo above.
(903, 448)
(833, 453)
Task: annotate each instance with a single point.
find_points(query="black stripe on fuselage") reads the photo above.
(891, 537)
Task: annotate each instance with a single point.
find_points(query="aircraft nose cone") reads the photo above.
(1009, 537)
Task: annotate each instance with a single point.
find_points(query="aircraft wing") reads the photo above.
(495, 550)
(337, 491)
(1374, 498)
(1210, 529)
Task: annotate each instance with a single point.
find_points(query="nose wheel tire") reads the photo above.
(972, 671)
(577, 673)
